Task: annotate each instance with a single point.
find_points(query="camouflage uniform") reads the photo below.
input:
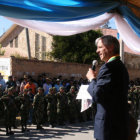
(38, 107)
(51, 107)
(1, 109)
(24, 109)
(61, 106)
(72, 105)
(81, 116)
(1, 91)
(9, 109)
(1, 103)
(134, 97)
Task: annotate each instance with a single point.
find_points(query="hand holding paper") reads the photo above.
(86, 98)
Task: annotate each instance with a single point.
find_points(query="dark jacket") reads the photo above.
(109, 92)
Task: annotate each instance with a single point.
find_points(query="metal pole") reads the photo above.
(122, 50)
(28, 43)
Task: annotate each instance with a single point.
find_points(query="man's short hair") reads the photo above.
(108, 41)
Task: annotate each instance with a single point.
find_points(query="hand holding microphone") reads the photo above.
(91, 74)
(94, 64)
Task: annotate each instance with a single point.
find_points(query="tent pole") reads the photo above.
(28, 43)
(122, 50)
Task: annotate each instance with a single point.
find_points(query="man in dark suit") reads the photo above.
(109, 90)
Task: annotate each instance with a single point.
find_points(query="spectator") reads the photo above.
(2, 82)
(46, 86)
(57, 85)
(23, 83)
(31, 85)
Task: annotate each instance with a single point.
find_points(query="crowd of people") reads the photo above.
(47, 100)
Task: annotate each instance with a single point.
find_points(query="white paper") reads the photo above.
(86, 98)
(83, 93)
(85, 104)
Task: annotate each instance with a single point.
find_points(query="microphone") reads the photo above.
(94, 64)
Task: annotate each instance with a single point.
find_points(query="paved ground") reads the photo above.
(82, 131)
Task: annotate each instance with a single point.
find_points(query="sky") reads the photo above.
(5, 24)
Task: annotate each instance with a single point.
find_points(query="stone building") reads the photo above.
(14, 42)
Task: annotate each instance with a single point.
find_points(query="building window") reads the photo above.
(16, 42)
(43, 53)
(37, 45)
(11, 43)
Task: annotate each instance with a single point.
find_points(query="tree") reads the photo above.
(78, 48)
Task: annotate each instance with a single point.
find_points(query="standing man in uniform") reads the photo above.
(9, 110)
(109, 90)
(24, 109)
(38, 106)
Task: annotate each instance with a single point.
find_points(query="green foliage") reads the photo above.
(2, 52)
(78, 48)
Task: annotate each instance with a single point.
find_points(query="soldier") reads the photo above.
(54, 90)
(38, 106)
(1, 91)
(61, 106)
(51, 107)
(71, 95)
(1, 109)
(9, 109)
(24, 109)
(133, 124)
(31, 95)
(80, 115)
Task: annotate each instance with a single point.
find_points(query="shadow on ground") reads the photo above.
(57, 132)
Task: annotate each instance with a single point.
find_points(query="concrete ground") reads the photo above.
(79, 131)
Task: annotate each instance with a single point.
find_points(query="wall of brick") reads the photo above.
(19, 67)
(132, 62)
(34, 67)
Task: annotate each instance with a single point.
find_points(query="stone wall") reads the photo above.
(132, 62)
(19, 67)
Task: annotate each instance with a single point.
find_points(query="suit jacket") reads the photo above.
(109, 92)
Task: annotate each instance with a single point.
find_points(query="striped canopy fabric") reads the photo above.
(68, 17)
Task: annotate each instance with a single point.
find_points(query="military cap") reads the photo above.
(29, 89)
(40, 88)
(10, 89)
(54, 88)
(50, 89)
(48, 79)
(26, 90)
(61, 88)
(72, 87)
